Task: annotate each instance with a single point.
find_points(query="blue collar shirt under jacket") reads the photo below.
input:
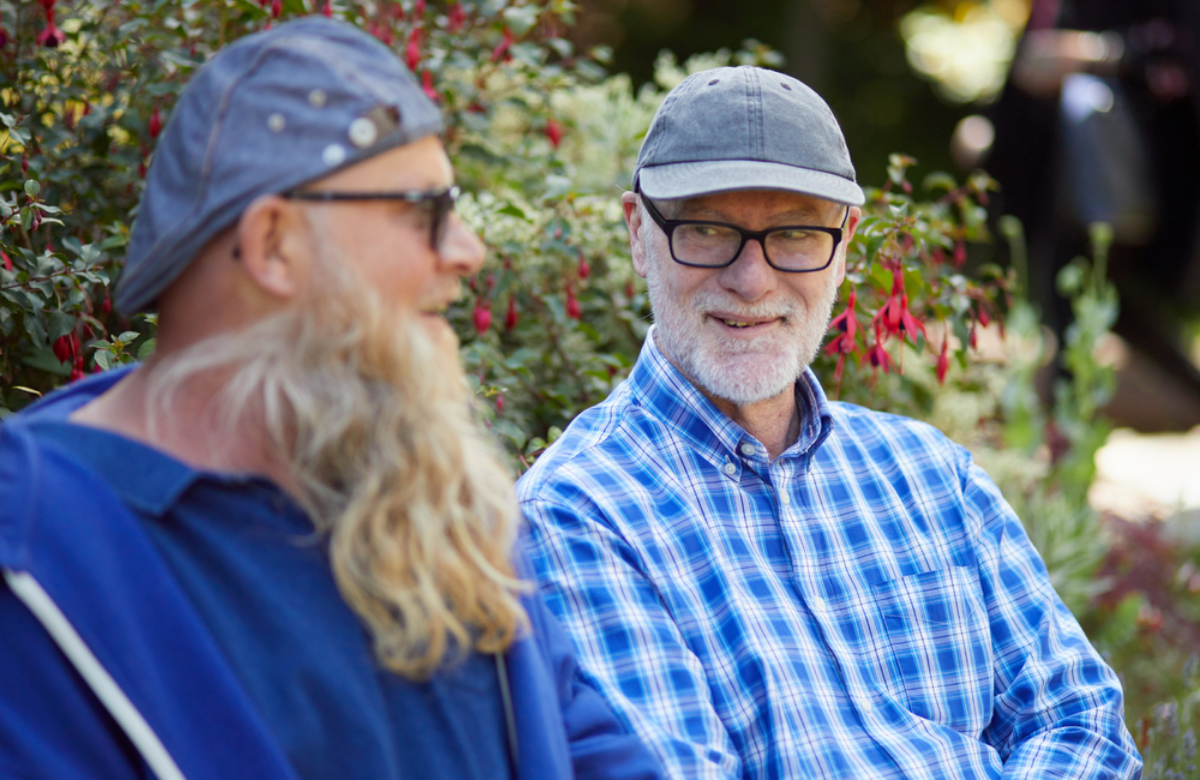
(865, 606)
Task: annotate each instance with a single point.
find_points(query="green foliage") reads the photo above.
(542, 141)
(1169, 740)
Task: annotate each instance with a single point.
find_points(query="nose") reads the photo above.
(749, 276)
(461, 252)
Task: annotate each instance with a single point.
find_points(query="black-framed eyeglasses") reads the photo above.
(794, 249)
(439, 202)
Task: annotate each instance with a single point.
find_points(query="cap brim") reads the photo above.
(693, 179)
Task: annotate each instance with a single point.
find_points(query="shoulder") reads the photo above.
(881, 436)
(597, 446)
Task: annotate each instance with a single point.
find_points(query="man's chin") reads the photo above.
(746, 378)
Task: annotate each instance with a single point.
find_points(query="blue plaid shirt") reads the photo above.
(865, 606)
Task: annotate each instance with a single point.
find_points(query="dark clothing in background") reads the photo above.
(1162, 43)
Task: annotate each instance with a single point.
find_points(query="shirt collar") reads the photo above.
(146, 479)
(669, 395)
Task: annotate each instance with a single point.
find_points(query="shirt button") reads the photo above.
(785, 499)
(817, 605)
(747, 449)
(730, 469)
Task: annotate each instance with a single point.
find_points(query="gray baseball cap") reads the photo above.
(745, 128)
(268, 113)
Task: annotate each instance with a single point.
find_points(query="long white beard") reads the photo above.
(743, 371)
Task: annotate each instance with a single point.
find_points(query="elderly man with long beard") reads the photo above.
(280, 548)
(767, 584)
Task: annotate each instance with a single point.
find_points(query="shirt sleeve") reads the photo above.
(1058, 709)
(600, 746)
(628, 644)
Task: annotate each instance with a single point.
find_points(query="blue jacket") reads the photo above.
(103, 655)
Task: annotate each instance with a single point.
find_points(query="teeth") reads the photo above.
(736, 324)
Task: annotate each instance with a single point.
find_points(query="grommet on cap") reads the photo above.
(363, 132)
(276, 123)
(334, 154)
(316, 98)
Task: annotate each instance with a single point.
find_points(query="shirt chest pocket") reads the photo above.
(938, 646)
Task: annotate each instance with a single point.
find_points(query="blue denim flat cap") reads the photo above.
(268, 113)
(745, 128)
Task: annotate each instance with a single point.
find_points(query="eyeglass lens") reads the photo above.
(717, 245)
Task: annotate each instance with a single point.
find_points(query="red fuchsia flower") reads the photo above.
(419, 8)
(960, 254)
(412, 53)
(3, 37)
(382, 33)
(500, 403)
(154, 126)
(456, 17)
(76, 374)
(554, 132)
(847, 321)
(490, 281)
(879, 357)
(894, 316)
(276, 8)
(482, 317)
(96, 369)
(585, 270)
(971, 338)
(985, 319)
(573, 310)
(427, 87)
(61, 349)
(510, 317)
(501, 52)
(51, 37)
(106, 306)
(629, 290)
(327, 9)
(6, 260)
(943, 361)
(939, 255)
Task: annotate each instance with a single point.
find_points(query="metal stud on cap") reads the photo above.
(334, 154)
(363, 132)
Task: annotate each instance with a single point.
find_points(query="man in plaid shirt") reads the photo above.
(767, 584)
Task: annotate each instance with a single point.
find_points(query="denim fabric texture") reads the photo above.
(268, 113)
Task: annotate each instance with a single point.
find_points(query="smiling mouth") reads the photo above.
(742, 324)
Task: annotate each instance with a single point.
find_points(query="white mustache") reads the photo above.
(707, 302)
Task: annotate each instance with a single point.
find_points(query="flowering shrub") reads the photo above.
(542, 141)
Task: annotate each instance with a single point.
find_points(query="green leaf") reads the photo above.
(60, 324)
(146, 349)
(32, 187)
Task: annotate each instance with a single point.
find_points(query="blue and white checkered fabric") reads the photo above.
(866, 606)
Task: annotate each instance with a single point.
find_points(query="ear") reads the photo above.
(633, 220)
(852, 220)
(274, 247)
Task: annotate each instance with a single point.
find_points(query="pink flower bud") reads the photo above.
(554, 132)
(154, 126)
(585, 270)
(510, 317)
(573, 309)
(482, 317)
